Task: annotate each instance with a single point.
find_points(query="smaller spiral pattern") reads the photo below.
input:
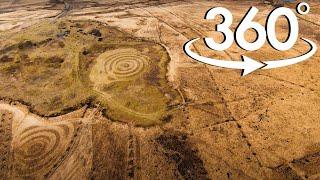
(38, 148)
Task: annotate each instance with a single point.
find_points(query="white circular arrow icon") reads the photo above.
(249, 65)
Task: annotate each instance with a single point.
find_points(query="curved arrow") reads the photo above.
(248, 65)
(287, 62)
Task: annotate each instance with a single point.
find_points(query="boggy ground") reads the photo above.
(262, 126)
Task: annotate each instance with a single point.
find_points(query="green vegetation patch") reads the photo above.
(58, 67)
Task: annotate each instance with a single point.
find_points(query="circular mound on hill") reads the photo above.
(58, 67)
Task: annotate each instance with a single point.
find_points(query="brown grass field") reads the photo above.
(103, 90)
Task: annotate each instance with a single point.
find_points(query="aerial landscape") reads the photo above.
(102, 89)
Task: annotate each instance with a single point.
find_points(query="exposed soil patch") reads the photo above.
(5, 59)
(309, 164)
(25, 45)
(178, 150)
(95, 32)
